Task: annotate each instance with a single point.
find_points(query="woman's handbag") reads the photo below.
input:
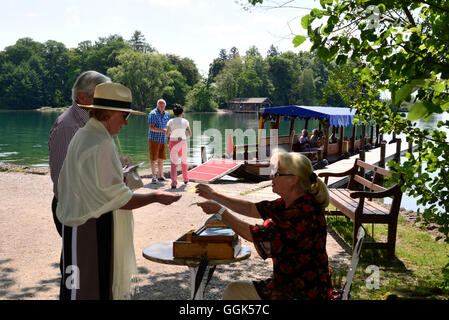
(132, 178)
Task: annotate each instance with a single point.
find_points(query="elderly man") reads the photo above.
(67, 124)
(157, 121)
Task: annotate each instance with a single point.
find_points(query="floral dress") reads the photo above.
(295, 238)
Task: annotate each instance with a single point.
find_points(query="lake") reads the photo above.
(24, 136)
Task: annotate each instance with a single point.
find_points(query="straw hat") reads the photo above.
(113, 96)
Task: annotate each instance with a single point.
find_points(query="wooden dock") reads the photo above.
(372, 156)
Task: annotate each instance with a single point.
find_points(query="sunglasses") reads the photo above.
(126, 115)
(277, 174)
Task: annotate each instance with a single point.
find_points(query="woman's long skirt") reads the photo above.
(87, 258)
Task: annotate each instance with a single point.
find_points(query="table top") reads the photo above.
(162, 252)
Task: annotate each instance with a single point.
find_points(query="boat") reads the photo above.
(332, 120)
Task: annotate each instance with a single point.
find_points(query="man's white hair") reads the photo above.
(86, 82)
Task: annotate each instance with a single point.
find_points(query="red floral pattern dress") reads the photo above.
(295, 238)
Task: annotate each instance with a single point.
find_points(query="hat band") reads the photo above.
(112, 103)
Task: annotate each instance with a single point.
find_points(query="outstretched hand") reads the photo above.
(204, 191)
(210, 206)
(167, 198)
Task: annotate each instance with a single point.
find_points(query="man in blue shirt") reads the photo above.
(157, 121)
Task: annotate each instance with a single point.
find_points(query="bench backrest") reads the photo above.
(371, 185)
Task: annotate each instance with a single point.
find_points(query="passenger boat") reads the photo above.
(332, 120)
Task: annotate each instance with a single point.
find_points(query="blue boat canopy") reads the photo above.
(337, 116)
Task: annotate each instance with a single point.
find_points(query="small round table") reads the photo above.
(162, 252)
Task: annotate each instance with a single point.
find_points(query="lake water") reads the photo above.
(24, 136)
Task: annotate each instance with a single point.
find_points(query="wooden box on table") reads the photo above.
(214, 241)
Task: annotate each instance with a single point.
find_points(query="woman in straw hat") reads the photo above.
(95, 204)
(293, 232)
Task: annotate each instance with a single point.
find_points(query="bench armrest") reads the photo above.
(380, 194)
(326, 175)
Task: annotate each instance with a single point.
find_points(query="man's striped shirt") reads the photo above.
(62, 132)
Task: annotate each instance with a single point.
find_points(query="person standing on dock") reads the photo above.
(157, 121)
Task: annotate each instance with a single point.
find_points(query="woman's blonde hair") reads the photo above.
(299, 165)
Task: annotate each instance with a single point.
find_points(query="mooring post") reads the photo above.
(203, 154)
(410, 147)
(397, 156)
(382, 155)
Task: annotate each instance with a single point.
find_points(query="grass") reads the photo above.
(415, 272)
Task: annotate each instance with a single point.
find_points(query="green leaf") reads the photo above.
(405, 91)
(298, 40)
(305, 21)
(341, 60)
(444, 106)
(423, 110)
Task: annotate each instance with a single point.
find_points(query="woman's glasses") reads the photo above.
(277, 174)
(126, 115)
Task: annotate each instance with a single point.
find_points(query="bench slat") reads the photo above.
(368, 184)
(365, 165)
(341, 199)
(370, 206)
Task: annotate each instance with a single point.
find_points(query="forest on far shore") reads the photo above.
(34, 74)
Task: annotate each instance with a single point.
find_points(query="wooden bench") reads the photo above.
(358, 205)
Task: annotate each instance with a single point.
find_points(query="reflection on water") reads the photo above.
(24, 136)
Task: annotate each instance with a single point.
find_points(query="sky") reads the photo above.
(196, 29)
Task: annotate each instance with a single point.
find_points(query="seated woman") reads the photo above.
(304, 143)
(315, 140)
(293, 232)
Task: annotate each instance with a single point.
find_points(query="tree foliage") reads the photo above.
(399, 47)
(280, 76)
(34, 74)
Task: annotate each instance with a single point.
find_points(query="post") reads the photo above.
(377, 136)
(354, 132)
(382, 155)
(397, 156)
(362, 157)
(203, 154)
(410, 147)
(342, 134)
(326, 139)
(362, 140)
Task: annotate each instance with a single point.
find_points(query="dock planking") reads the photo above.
(372, 157)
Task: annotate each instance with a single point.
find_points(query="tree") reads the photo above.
(202, 97)
(187, 68)
(402, 45)
(149, 77)
(138, 43)
(234, 52)
(306, 88)
(227, 79)
(273, 51)
(55, 74)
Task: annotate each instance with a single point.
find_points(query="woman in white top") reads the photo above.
(177, 144)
